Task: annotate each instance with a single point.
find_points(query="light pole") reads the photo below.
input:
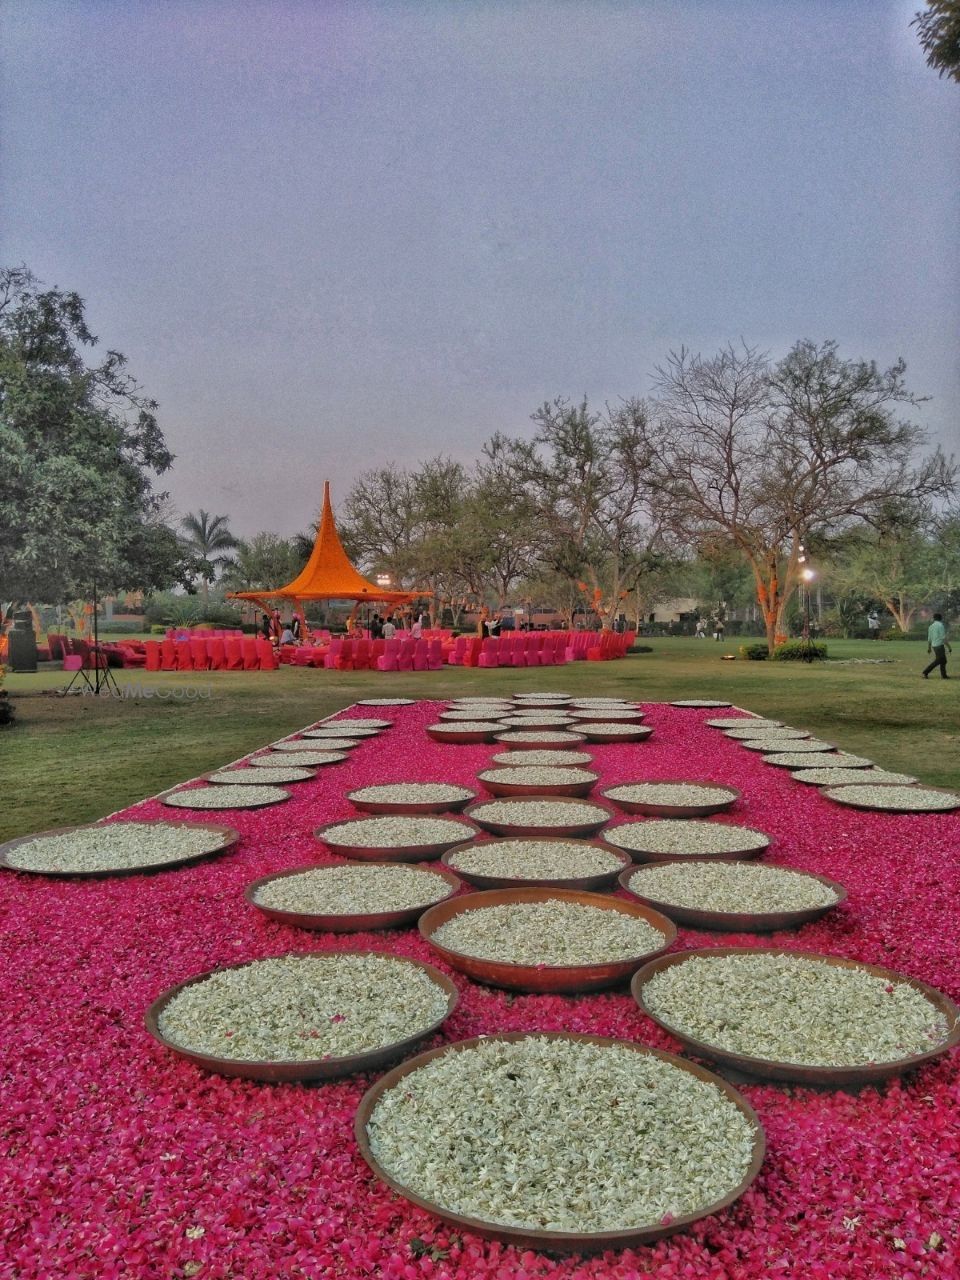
(808, 576)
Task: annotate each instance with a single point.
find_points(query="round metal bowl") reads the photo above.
(737, 921)
(751, 847)
(451, 731)
(699, 702)
(771, 1069)
(542, 978)
(228, 838)
(164, 798)
(607, 715)
(359, 724)
(309, 758)
(577, 826)
(556, 1241)
(560, 759)
(412, 807)
(587, 884)
(852, 797)
(331, 731)
(459, 831)
(285, 1071)
(459, 717)
(542, 704)
(799, 746)
(448, 883)
(498, 787)
(243, 777)
(538, 720)
(749, 734)
(690, 810)
(340, 743)
(597, 731)
(549, 739)
(745, 722)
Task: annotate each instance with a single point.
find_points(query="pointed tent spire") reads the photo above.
(328, 574)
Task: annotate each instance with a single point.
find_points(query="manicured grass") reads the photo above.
(70, 760)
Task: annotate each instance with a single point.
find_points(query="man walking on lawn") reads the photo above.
(937, 645)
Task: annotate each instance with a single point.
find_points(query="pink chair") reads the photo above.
(387, 661)
(199, 654)
(331, 660)
(455, 656)
(168, 655)
(435, 656)
(234, 652)
(217, 652)
(361, 655)
(489, 652)
(421, 655)
(345, 657)
(152, 650)
(248, 647)
(405, 656)
(266, 657)
(184, 656)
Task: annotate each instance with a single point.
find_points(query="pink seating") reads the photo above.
(387, 661)
(234, 653)
(332, 655)
(303, 656)
(266, 657)
(455, 656)
(168, 655)
(216, 648)
(421, 655)
(248, 647)
(345, 657)
(184, 656)
(198, 652)
(72, 662)
(471, 655)
(489, 652)
(152, 650)
(405, 656)
(361, 655)
(435, 655)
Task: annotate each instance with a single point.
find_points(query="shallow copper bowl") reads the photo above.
(451, 733)
(412, 807)
(557, 1241)
(572, 979)
(459, 830)
(608, 715)
(587, 884)
(770, 1069)
(653, 810)
(497, 787)
(573, 829)
(569, 742)
(737, 921)
(213, 786)
(728, 855)
(229, 838)
(638, 733)
(284, 1071)
(448, 883)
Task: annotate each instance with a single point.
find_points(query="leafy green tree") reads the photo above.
(263, 561)
(938, 27)
(207, 539)
(768, 455)
(79, 447)
(586, 477)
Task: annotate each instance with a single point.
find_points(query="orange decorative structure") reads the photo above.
(328, 574)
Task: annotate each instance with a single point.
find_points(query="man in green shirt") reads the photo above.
(937, 645)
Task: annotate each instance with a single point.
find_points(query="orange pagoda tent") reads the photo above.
(327, 575)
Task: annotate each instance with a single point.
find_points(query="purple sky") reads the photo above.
(332, 235)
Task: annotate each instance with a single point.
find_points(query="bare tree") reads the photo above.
(770, 454)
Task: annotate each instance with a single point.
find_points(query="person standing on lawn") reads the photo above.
(938, 646)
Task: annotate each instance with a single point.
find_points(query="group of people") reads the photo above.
(716, 625)
(386, 628)
(278, 632)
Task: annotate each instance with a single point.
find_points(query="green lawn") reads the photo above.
(75, 759)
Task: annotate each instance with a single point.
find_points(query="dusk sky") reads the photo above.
(332, 235)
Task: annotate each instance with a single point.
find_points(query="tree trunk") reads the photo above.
(205, 592)
(901, 611)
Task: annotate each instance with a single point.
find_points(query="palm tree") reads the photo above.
(205, 536)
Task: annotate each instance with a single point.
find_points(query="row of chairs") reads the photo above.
(211, 653)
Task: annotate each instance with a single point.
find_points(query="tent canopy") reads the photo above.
(328, 574)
